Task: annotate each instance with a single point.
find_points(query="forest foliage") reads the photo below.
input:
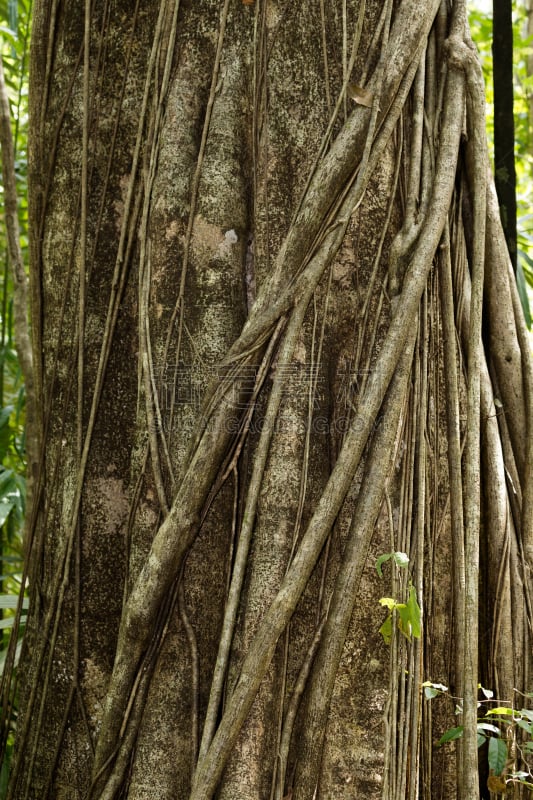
(15, 24)
(481, 26)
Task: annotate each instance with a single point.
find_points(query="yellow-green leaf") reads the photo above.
(388, 602)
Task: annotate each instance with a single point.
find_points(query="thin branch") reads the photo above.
(454, 469)
(472, 483)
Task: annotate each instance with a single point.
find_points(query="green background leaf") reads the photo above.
(497, 754)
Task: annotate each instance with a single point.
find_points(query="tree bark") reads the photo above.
(504, 139)
(257, 307)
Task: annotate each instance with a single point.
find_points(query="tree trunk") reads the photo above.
(504, 134)
(276, 336)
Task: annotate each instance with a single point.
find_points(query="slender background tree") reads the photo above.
(504, 133)
(276, 339)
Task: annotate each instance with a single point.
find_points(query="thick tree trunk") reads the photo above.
(259, 238)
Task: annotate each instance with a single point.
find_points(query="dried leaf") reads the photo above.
(360, 95)
(496, 784)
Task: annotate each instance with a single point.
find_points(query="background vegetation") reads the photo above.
(481, 24)
(15, 18)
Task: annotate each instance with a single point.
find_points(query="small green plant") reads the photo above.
(505, 744)
(407, 614)
(399, 558)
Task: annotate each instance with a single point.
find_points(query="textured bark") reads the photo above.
(247, 291)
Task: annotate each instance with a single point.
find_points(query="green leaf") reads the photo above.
(6, 505)
(481, 740)
(386, 630)
(8, 622)
(409, 621)
(6, 434)
(400, 559)
(7, 34)
(7, 477)
(382, 560)
(14, 576)
(522, 292)
(414, 612)
(508, 712)
(432, 690)
(526, 726)
(404, 620)
(388, 602)
(11, 601)
(497, 754)
(3, 656)
(486, 726)
(520, 774)
(439, 686)
(451, 734)
(5, 413)
(525, 260)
